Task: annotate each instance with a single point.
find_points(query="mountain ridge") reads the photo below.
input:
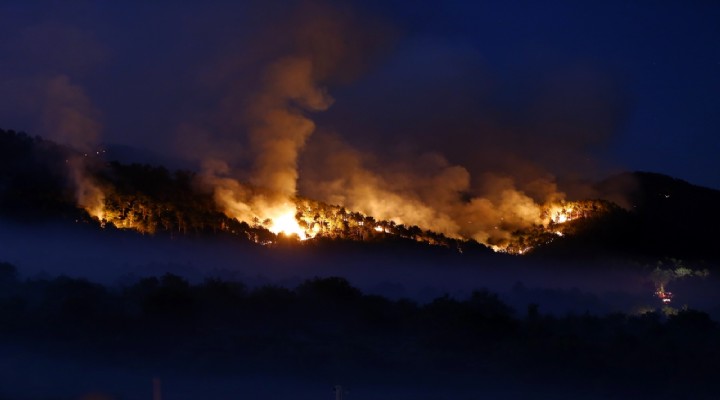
(666, 217)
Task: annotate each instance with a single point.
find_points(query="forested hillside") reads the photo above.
(664, 217)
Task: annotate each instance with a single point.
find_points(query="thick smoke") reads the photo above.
(279, 128)
(484, 178)
(430, 136)
(425, 190)
(452, 147)
(276, 117)
(340, 175)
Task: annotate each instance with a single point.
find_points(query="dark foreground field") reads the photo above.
(65, 338)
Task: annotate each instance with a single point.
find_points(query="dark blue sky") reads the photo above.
(572, 88)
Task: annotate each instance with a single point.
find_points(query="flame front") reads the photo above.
(283, 221)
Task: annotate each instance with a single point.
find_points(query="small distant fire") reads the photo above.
(663, 295)
(554, 222)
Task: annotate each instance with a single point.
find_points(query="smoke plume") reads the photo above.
(279, 129)
(70, 118)
(483, 179)
(276, 116)
(426, 190)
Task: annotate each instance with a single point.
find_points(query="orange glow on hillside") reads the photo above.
(283, 221)
(561, 214)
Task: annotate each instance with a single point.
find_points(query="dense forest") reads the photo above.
(328, 327)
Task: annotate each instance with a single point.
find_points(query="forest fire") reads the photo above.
(284, 222)
(555, 220)
(562, 213)
(262, 217)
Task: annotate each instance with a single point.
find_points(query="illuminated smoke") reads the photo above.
(279, 127)
(426, 191)
(278, 132)
(339, 175)
(70, 118)
(276, 117)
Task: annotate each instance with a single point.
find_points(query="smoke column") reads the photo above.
(69, 118)
(279, 128)
(278, 132)
(426, 189)
(276, 119)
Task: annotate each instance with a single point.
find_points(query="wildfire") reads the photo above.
(562, 213)
(96, 211)
(284, 222)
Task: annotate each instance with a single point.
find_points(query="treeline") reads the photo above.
(336, 222)
(35, 184)
(328, 326)
(33, 178)
(665, 218)
(152, 200)
(584, 217)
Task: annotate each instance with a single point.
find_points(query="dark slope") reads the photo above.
(666, 217)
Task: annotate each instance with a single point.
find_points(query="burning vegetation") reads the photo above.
(153, 200)
(35, 185)
(423, 198)
(557, 220)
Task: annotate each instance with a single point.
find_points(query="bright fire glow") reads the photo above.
(560, 214)
(283, 221)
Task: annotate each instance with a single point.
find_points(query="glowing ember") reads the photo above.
(564, 212)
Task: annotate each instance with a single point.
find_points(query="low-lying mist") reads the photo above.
(276, 343)
(114, 257)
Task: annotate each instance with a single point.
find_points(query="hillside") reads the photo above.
(666, 217)
(34, 185)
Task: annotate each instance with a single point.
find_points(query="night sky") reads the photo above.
(570, 89)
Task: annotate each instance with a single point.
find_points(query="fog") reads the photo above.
(47, 370)
(118, 258)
